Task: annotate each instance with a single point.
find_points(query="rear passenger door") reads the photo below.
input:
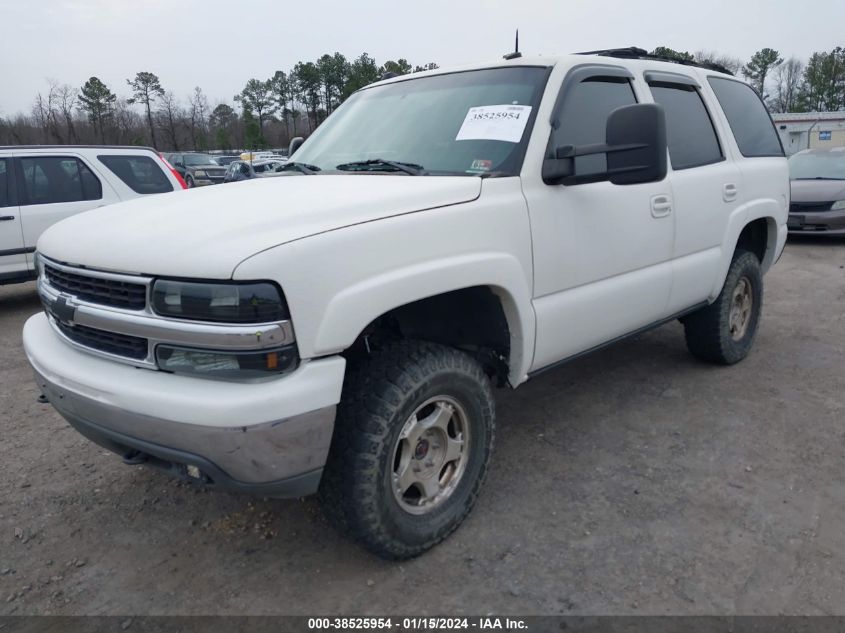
(56, 186)
(13, 260)
(706, 186)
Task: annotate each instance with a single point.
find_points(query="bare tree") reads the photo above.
(788, 78)
(199, 119)
(128, 124)
(169, 115)
(733, 64)
(45, 117)
(67, 98)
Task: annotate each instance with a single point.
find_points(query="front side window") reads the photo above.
(140, 173)
(689, 130)
(749, 120)
(464, 123)
(583, 117)
(52, 179)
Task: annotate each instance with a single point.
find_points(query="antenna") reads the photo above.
(516, 54)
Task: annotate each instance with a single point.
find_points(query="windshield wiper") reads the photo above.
(379, 164)
(305, 168)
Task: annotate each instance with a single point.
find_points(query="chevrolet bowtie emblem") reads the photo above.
(63, 310)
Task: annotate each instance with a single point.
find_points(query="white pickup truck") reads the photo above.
(341, 329)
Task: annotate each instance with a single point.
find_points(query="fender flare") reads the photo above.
(352, 309)
(763, 208)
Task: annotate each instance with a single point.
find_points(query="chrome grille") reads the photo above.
(99, 290)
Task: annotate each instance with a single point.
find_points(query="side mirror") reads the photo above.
(179, 165)
(635, 148)
(295, 142)
(642, 128)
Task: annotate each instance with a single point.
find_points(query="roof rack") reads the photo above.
(632, 52)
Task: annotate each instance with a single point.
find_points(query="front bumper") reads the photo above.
(269, 438)
(822, 222)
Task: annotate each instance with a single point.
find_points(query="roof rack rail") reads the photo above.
(632, 52)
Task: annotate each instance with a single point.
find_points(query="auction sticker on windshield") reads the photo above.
(494, 123)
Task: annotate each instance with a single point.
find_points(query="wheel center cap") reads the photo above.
(421, 450)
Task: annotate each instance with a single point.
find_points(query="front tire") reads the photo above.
(189, 182)
(411, 447)
(724, 331)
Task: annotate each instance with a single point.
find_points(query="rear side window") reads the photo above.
(141, 174)
(4, 183)
(583, 117)
(52, 179)
(749, 120)
(689, 130)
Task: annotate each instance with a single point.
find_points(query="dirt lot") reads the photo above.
(634, 481)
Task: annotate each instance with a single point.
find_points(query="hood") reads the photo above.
(207, 232)
(817, 190)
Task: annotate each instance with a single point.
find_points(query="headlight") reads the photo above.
(214, 364)
(259, 302)
(838, 205)
(200, 173)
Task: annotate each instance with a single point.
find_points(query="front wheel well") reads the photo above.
(470, 319)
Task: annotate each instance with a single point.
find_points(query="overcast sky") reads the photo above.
(218, 45)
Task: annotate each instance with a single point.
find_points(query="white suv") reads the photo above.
(40, 185)
(341, 328)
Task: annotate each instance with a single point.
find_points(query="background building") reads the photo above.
(810, 130)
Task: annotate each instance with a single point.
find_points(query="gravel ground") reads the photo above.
(634, 481)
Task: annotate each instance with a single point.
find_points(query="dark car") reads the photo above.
(818, 192)
(197, 169)
(238, 170)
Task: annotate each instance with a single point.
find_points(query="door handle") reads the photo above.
(661, 206)
(729, 192)
(6, 218)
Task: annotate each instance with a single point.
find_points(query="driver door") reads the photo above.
(602, 252)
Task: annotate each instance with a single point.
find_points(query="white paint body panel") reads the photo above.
(337, 282)
(207, 232)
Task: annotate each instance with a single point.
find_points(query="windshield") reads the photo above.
(466, 123)
(821, 166)
(199, 159)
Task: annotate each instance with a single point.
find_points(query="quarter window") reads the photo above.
(749, 120)
(583, 117)
(689, 130)
(140, 173)
(4, 183)
(51, 179)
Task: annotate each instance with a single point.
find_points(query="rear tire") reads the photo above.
(724, 331)
(411, 447)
